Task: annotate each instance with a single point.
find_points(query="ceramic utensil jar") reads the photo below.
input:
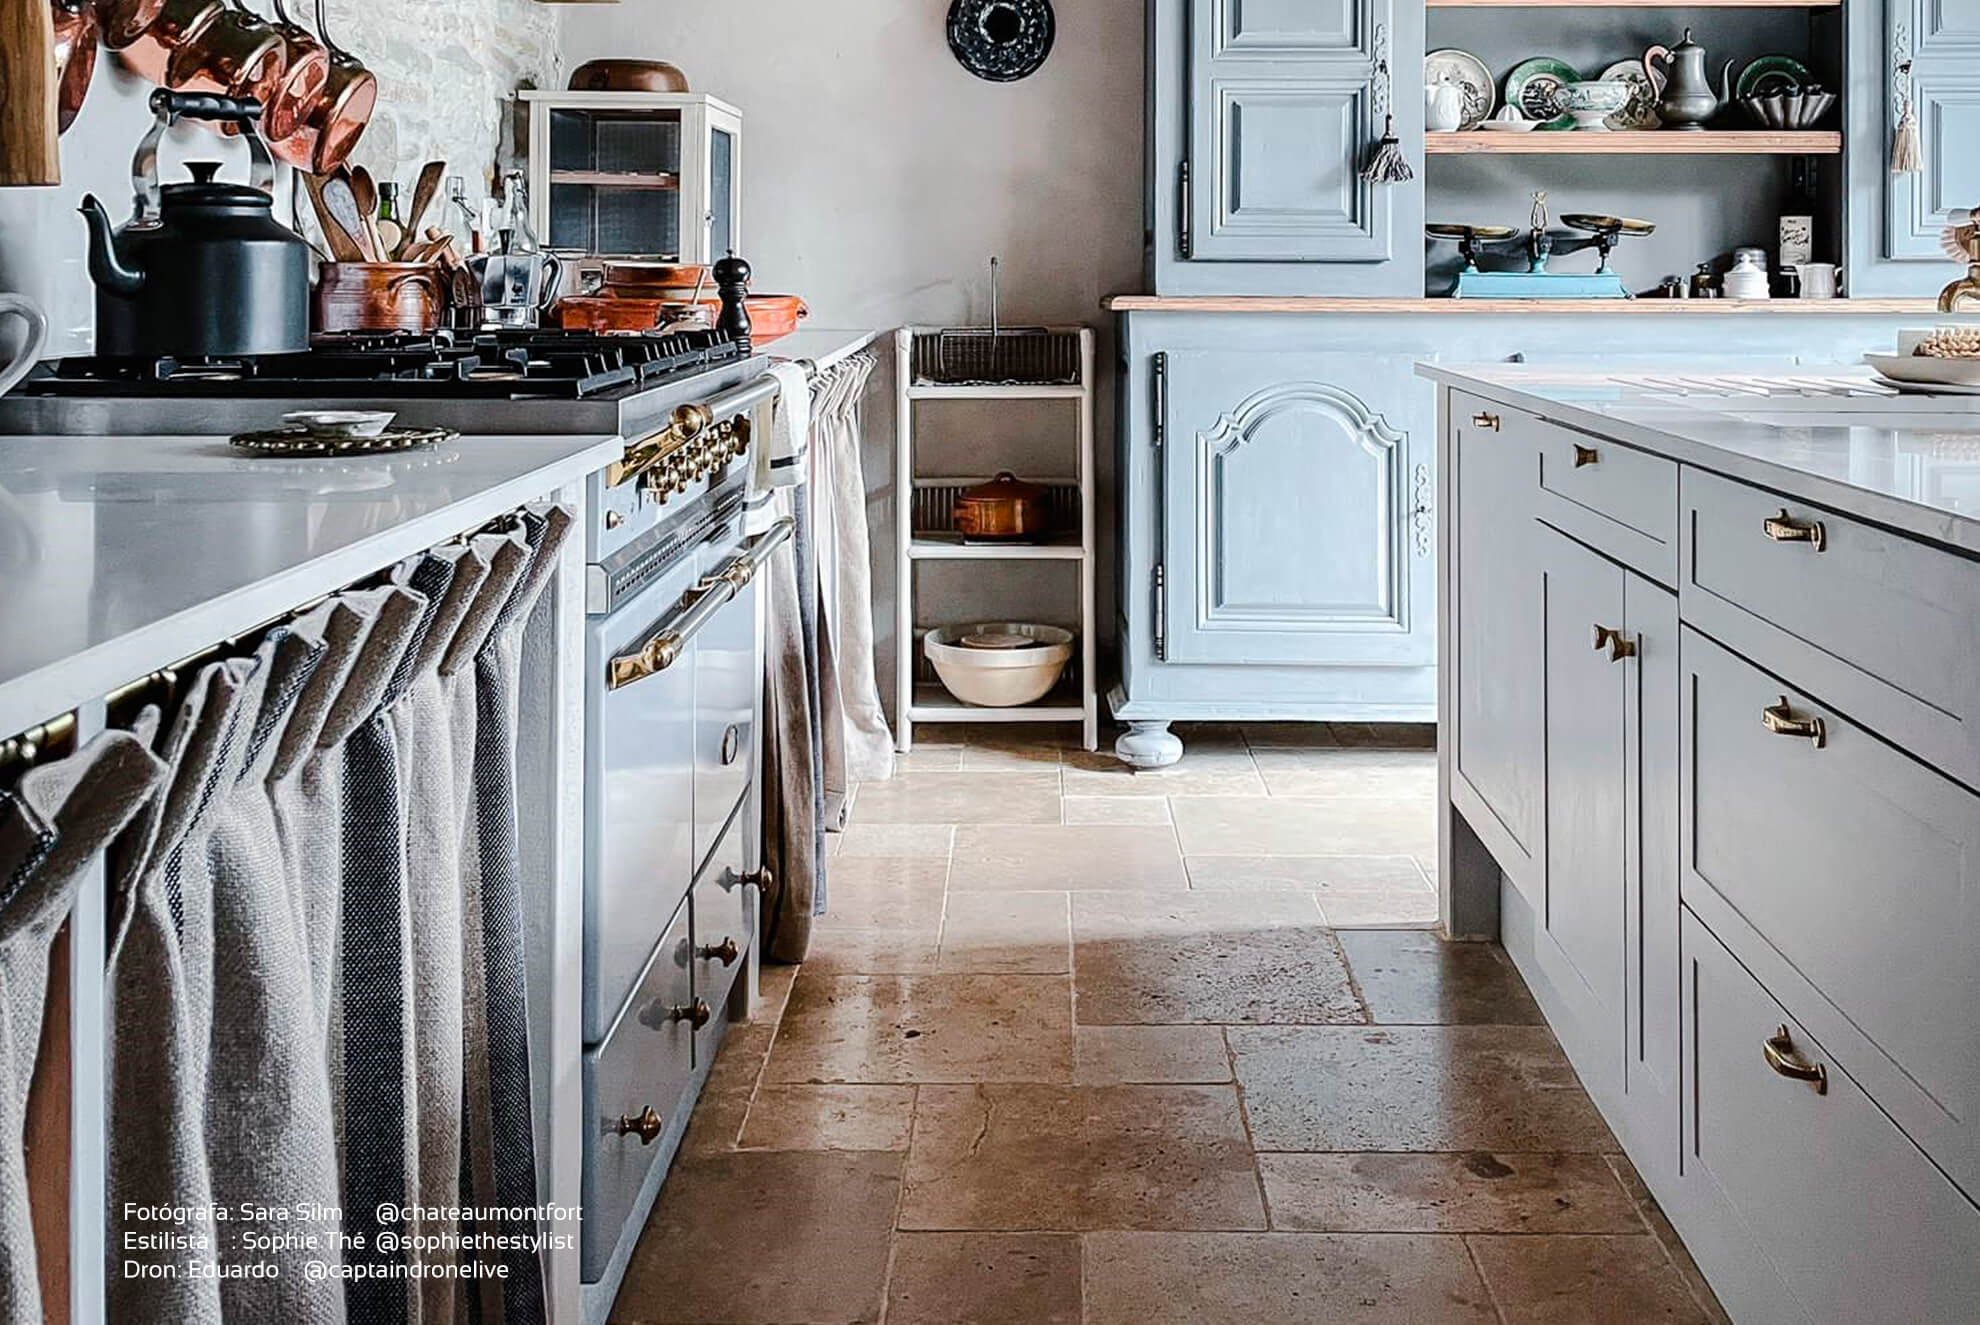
(380, 296)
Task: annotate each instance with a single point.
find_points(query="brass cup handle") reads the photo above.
(1784, 528)
(646, 1127)
(1782, 1056)
(1585, 455)
(1489, 422)
(1619, 645)
(1780, 720)
(725, 952)
(695, 1014)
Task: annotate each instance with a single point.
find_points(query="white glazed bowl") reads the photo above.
(999, 677)
(340, 422)
(1591, 103)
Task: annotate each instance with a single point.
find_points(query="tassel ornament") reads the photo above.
(1387, 164)
(1907, 158)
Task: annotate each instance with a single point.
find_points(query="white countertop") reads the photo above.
(1911, 463)
(821, 347)
(120, 555)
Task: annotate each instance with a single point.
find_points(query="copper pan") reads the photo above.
(75, 57)
(237, 55)
(175, 24)
(124, 21)
(308, 68)
(334, 119)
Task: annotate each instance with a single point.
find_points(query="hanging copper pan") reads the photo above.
(123, 21)
(237, 55)
(335, 117)
(75, 57)
(173, 25)
(307, 67)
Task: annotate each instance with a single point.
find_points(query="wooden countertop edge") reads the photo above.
(1149, 303)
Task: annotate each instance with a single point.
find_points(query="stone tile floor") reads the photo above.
(1081, 1046)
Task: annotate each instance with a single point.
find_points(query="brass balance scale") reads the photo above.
(1538, 245)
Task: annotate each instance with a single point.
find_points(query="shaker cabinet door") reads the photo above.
(1282, 107)
(1942, 39)
(1297, 517)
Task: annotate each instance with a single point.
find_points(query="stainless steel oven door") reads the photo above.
(639, 795)
(728, 677)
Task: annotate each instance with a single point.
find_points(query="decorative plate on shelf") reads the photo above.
(1468, 72)
(1770, 74)
(1645, 91)
(1535, 87)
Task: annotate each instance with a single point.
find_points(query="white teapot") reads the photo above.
(1443, 107)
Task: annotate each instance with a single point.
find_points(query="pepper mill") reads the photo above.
(732, 279)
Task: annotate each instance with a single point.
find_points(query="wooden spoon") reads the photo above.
(366, 194)
(423, 194)
(344, 246)
(340, 196)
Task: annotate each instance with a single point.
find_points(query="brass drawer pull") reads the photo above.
(725, 952)
(646, 1127)
(1784, 528)
(1782, 1056)
(1585, 455)
(695, 1014)
(1489, 422)
(1780, 720)
(1619, 645)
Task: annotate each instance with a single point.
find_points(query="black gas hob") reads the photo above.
(435, 366)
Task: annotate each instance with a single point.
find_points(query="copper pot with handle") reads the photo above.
(149, 48)
(1005, 510)
(380, 296)
(306, 67)
(330, 123)
(75, 57)
(236, 55)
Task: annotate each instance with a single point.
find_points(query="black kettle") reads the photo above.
(202, 269)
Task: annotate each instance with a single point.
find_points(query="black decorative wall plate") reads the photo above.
(1001, 40)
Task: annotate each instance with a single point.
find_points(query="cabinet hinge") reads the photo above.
(1184, 206)
(1158, 386)
(1161, 613)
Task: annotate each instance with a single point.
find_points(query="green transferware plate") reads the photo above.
(1772, 73)
(1535, 87)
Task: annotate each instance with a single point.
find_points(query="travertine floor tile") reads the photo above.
(1270, 735)
(985, 1279)
(1324, 875)
(960, 798)
(1351, 773)
(1281, 1279)
(1003, 753)
(925, 1028)
(1023, 932)
(1204, 770)
(1149, 1055)
(1146, 959)
(1061, 857)
(836, 950)
(1303, 826)
(929, 759)
(1570, 1280)
(930, 841)
(1660, 1228)
(1079, 1157)
(1117, 809)
(817, 1225)
(829, 1118)
(884, 892)
(1416, 977)
(1395, 908)
(1498, 1088)
(1478, 1192)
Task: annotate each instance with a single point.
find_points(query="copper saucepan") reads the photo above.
(151, 46)
(308, 68)
(76, 27)
(237, 55)
(124, 21)
(333, 120)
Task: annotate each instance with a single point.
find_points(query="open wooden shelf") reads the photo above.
(617, 179)
(1629, 142)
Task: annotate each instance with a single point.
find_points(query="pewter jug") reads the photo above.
(1688, 99)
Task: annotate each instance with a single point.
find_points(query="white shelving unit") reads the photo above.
(924, 700)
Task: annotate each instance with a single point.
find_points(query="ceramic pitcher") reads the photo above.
(1688, 99)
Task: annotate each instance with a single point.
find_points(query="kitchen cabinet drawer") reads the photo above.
(633, 1084)
(1621, 501)
(1848, 877)
(1884, 627)
(726, 694)
(722, 928)
(1859, 1225)
(639, 801)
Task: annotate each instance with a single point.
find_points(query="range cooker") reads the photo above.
(673, 664)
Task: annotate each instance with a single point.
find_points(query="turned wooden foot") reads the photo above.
(1148, 745)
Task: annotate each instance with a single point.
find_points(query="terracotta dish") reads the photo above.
(770, 315)
(628, 76)
(1004, 510)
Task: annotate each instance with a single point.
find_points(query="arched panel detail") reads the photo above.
(1370, 430)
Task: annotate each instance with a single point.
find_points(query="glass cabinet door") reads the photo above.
(615, 181)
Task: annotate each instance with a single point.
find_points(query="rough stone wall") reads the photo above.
(446, 72)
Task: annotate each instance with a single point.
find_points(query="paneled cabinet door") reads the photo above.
(1296, 510)
(1942, 40)
(1282, 106)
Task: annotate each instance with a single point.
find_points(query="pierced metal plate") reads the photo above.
(293, 442)
(1001, 40)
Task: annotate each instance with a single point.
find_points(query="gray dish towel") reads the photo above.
(53, 824)
(859, 746)
(793, 784)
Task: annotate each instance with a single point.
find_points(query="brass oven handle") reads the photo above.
(1489, 422)
(1780, 720)
(1781, 1055)
(1585, 455)
(646, 1127)
(1784, 528)
(725, 952)
(688, 422)
(1619, 645)
(695, 1014)
(664, 647)
(762, 876)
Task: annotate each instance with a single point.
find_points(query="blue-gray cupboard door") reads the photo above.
(1297, 513)
(1282, 107)
(1943, 40)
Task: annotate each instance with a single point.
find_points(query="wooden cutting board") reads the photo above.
(28, 125)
